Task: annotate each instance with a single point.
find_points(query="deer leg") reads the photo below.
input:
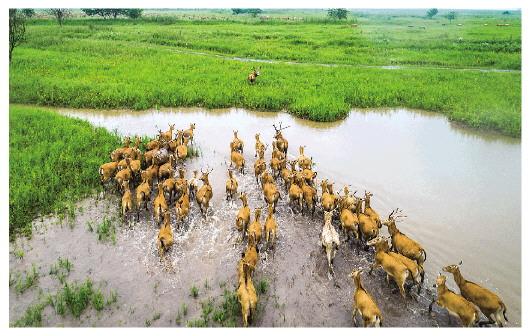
(371, 269)
(430, 305)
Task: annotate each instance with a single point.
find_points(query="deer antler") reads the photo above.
(282, 128)
(399, 214)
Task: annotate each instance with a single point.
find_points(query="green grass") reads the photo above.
(227, 313)
(223, 313)
(108, 73)
(106, 231)
(76, 298)
(26, 281)
(71, 297)
(263, 286)
(377, 40)
(61, 269)
(140, 64)
(194, 291)
(182, 312)
(19, 253)
(53, 160)
(32, 316)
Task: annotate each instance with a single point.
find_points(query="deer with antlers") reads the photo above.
(401, 243)
(205, 193)
(281, 143)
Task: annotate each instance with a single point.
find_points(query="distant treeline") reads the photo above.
(251, 11)
(132, 13)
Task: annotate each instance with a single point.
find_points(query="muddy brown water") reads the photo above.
(460, 189)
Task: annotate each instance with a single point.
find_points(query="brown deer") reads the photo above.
(260, 147)
(488, 302)
(259, 167)
(243, 216)
(117, 154)
(188, 134)
(455, 304)
(368, 209)
(181, 184)
(364, 303)
(167, 136)
(231, 186)
(253, 75)
(205, 193)
(165, 235)
(143, 194)
(271, 194)
(281, 143)
(238, 160)
(237, 144)
(159, 205)
(401, 243)
(394, 268)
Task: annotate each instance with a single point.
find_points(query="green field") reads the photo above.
(53, 161)
(185, 60)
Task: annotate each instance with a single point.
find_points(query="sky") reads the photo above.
(453, 4)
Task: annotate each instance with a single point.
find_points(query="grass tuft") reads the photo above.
(26, 281)
(263, 286)
(194, 291)
(106, 231)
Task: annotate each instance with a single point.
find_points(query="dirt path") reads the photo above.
(205, 255)
(361, 66)
(278, 61)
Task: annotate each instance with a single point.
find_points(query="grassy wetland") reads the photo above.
(353, 85)
(52, 160)
(196, 61)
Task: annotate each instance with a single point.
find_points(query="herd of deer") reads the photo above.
(402, 261)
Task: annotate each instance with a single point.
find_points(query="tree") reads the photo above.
(338, 13)
(95, 11)
(254, 11)
(17, 29)
(432, 12)
(134, 13)
(451, 16)
(60, 14)
(28, 12)
(116, 11)
(506, 13)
